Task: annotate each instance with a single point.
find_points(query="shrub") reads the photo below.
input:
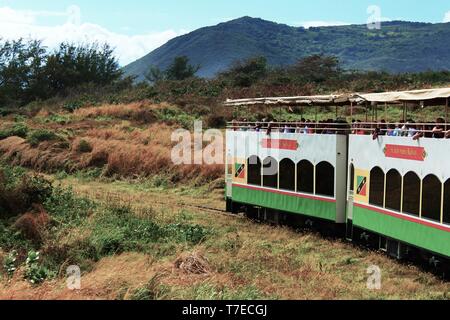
(153, 290)
(216, 121)
(73, 105)
(19, 130)
(18, 198)
(9, 263)
(32, 225)
(118, 230)
(34, 272)
(37, 188)
(67, 208)
(11, 239)
(38, 136)
(180, 232)
(84, 146)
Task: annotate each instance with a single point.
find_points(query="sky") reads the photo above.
(136, 27)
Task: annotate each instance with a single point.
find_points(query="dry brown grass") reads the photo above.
(193, 263)
(142, 112)
(48, 156)
(123, 153)
(33, 224)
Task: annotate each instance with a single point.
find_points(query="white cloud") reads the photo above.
(447, 17)
(312, 24)
(16, 24)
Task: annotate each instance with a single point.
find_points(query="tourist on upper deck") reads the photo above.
(390, 130)
(397, 130)
(359, 130)
(270, 128)
(438, 130)
(258, 127)
(306, 128)
(383, 128)
(243, 125)
(411, 126)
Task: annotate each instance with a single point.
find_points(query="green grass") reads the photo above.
(18, 129)
(37, 136)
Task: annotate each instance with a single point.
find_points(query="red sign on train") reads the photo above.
(281, 144)
(405, 152)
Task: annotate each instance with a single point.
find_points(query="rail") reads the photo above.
(408, 129)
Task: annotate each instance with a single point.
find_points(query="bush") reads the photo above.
(38, 136)
(216, 121)
(84, 146)
(9, 263)
(67, 208)
(180, 232)
(34, 272)
(32, 225)
(118, 230)
(73, 106)
(18, 130)
(18, 197)
(153, 290)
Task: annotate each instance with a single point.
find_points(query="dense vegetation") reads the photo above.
(253, 77)
(29, 72)
(396, 47)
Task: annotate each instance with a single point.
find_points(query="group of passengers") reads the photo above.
(412, 130)
(407, 128)
(305, 126)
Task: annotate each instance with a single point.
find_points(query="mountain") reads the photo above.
(397, 47)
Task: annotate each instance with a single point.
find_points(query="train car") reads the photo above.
(399, 187)
(388, 192)
(282, 173)
(287, 177)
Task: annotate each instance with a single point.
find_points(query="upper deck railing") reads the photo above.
(396, 129)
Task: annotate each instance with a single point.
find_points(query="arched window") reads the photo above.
(352, 177)
(411, 194)
(393, 190)
(254, 171)
(270, 173)
(431, 198)
(305, 177)
(376, 196)
(325, 179)
(447, 202)
(287, 175)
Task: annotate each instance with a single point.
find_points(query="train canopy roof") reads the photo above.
(429, 95)
(407, 96)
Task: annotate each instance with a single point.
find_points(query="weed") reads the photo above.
(34, 272)
(153, 290)
(18, 130)
(180, 232)
(72, 106)
(41, 135)
(9, 263)
(206, 291)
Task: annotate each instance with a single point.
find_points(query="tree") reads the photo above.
(21, 71)
(178, 70)
(72, 65)
(28, 72)
(316, 68)
(245, 73)
(155, 75)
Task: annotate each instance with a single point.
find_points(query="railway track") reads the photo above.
(116, 197)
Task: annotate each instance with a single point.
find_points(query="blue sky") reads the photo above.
(137, 26)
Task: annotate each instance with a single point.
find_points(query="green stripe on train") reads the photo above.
(415, 234)
(309, 207)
